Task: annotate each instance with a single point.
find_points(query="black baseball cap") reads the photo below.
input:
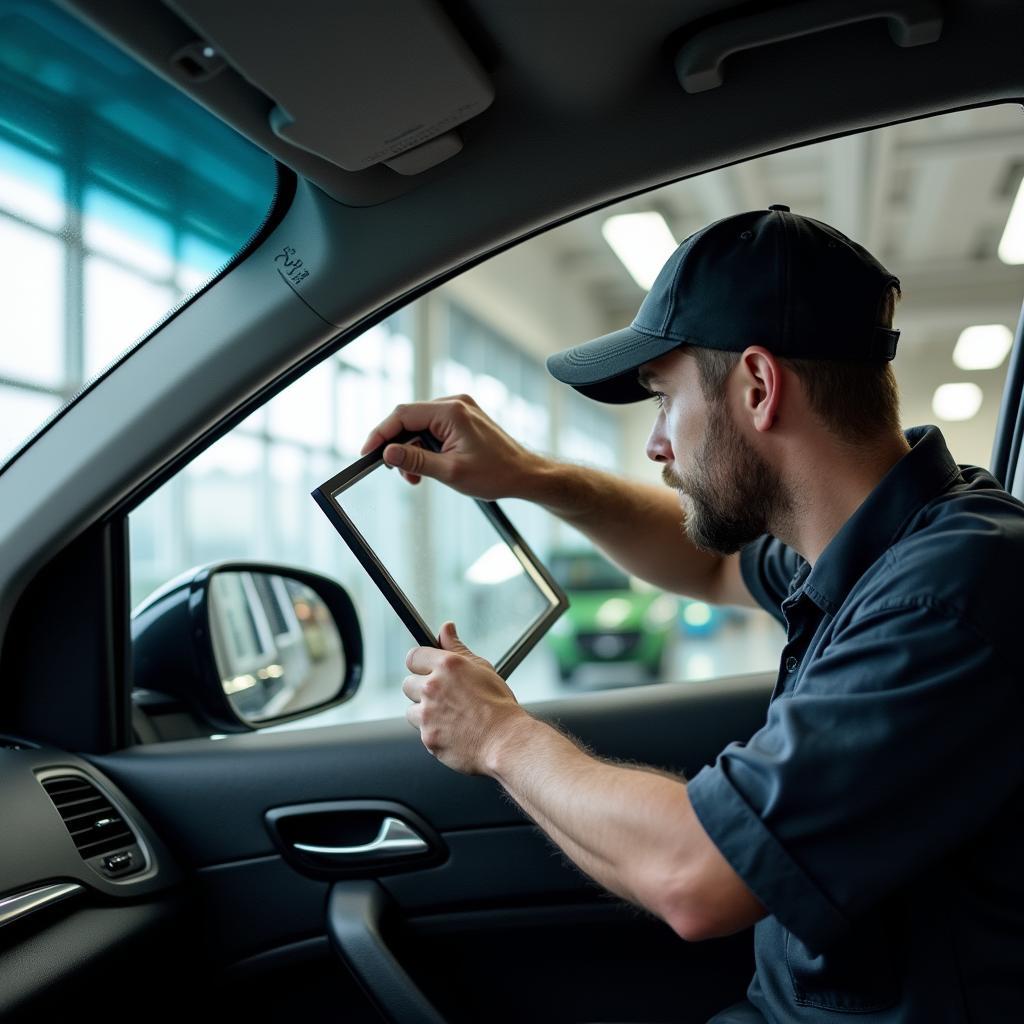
(770, 277)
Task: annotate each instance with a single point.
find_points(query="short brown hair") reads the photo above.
(857, 401)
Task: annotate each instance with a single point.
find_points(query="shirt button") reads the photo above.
(791, 663)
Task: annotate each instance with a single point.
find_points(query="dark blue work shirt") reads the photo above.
(879, 813)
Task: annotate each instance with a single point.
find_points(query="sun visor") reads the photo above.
(357, 84)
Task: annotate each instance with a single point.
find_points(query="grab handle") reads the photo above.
(699, 61)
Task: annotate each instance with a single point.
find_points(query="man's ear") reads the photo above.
(761, 379)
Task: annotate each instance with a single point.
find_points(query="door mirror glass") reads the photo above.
(277, 648)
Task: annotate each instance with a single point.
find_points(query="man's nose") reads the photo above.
(658, 448)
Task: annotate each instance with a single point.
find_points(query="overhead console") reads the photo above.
(377, 99)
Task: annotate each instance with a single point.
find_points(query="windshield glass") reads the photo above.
(119, 197)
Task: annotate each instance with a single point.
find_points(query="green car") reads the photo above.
(611, 617)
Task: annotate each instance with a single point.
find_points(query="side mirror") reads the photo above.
(247, 644)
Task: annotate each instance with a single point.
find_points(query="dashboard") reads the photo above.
(83, 877)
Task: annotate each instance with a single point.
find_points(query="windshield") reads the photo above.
(119, 197)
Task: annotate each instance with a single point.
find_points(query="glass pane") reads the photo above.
(448, 559)
(30, 187)
(31, 305)
(200, 260)
(120, 306)
(23, 411)
(127, 233)
(223, 506)
(302, 412)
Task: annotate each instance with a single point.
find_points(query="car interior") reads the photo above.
(177, 835)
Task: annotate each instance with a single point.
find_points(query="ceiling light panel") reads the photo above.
(642, 242)
(956, 402)
(982, 347)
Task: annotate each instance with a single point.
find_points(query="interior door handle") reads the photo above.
(354, 838)
(393, 835)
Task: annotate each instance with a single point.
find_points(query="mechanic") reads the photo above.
(872, 830)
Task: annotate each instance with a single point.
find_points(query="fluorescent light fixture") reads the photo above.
(982, 347)
(1011, 245)
(642, 241)
(956, 401)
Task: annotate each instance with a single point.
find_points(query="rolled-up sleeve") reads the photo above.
(900, 741)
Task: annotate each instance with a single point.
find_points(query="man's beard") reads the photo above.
(734, 494)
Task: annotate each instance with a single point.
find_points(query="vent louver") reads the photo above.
(96, 826)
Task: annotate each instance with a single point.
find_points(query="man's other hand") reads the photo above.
(460, 704)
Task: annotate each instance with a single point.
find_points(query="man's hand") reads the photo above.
(477, 457)
(461, 706)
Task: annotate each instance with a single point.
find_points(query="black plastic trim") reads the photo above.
(355, 921)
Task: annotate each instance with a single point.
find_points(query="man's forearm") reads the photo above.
(623, 826)
(638, 525)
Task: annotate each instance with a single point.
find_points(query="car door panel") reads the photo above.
(209, 796)
(503, 900)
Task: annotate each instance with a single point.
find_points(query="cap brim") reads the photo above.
(605, 369)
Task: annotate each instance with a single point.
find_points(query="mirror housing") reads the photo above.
(175, 651)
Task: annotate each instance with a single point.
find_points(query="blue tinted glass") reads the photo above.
(119, 197)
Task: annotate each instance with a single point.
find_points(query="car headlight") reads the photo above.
(613, 612)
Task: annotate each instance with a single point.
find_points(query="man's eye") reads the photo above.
(658, 398)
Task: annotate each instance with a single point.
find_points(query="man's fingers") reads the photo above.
(412, 687)
(414, 716)
(410, 416)
(418, 461)
(423, 660)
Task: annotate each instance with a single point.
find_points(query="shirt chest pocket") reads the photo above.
(861, 973)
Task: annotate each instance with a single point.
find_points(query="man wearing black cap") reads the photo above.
(873, 829)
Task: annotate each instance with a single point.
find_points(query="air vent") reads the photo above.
(96, 826)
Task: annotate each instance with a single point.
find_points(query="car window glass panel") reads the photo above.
(447, 558)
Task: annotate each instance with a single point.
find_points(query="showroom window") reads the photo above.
(487, 332)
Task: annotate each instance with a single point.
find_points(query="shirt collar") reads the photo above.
(924, 472)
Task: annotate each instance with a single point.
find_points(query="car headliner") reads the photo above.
(587, 110)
